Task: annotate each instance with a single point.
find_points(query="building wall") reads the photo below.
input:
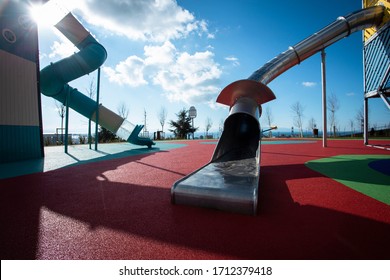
(376, 53)
(377, 61)
(20, 112)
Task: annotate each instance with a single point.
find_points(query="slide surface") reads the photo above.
(230, 181)
(55, 77)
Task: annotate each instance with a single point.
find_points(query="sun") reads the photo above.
(48, 14)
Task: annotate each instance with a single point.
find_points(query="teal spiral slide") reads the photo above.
(55, 77)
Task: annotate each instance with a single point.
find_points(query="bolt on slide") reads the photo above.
(230, 180)
(55, 77)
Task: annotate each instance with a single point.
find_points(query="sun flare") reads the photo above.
(48, 14)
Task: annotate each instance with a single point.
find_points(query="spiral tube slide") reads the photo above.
(55, 77)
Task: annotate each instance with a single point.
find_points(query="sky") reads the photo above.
(176, 54)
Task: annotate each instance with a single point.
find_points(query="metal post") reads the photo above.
(67, 121)
(192, 113)
(89, 134)
(365, 122)
(193, 132)
(97, 111)
(324, 117)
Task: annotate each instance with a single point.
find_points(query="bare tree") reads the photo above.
(269, 119)
(208, 125)
(360, 117)
(146, 132)
(162, 116)
(123, 110)
(61, 113)
(297, 110)
(91, 91)
(333, 106)
(352, 127)
(221, 124)
(311, 124)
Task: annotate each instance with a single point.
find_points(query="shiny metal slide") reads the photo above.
(230, 181)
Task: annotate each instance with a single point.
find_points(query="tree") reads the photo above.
(221, 125)
(208, 125)
(312, 125)
(91, 91)
(333, 106)
(297, 110)
(146, 132)
(182, 126)
(106, 136)
(352, 127)
(269, 119)
(360, 117)
(61, 113)
(162, 116)
(123, 110)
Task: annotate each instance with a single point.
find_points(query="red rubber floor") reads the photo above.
(120, 209)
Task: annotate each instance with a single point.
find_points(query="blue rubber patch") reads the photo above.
(381, 165)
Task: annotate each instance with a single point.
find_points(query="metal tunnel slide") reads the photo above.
(55, 77)
(230, 180)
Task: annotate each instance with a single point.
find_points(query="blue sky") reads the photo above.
(177, 54)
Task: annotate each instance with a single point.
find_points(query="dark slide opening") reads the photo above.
(239, 140)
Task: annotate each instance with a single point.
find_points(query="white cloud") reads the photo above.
(192, 78)
(309, 84)
(62, 50)
(128, 72)
(233, 60)
(196, 69)
(350, 94)
(147, 20)
(182, 76)
(159, 55)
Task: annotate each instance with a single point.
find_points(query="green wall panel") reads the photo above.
(19, 143)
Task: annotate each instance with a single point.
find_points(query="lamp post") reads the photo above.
(192, 113)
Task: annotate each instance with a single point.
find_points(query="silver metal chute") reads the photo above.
(332, 33)
(230, 181)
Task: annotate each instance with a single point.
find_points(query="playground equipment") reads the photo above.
(230, 180)
(56, 76)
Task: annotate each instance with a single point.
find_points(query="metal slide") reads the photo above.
(55, 77)
(230, 181)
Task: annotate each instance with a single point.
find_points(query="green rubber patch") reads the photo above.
(354, 172)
